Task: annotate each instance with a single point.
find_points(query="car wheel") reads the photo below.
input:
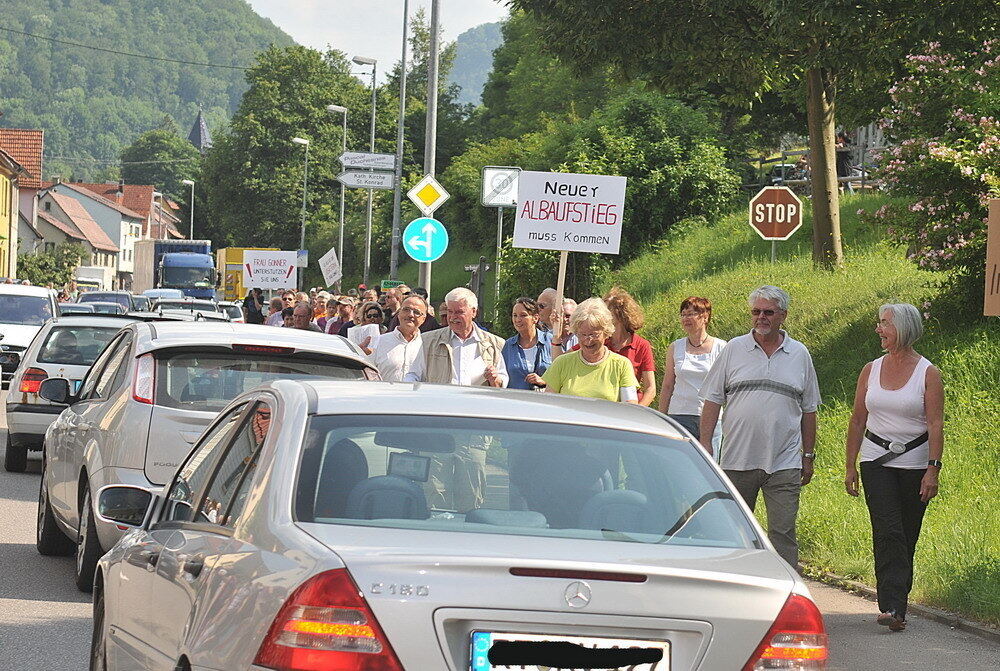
(49, 538)
(88, 546)
(99, 640)
(15, 458)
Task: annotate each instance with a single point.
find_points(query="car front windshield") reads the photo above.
(75, 345)
(187, 277)
(517, 477)
(24, 310)
(96, 297)
(194, 380)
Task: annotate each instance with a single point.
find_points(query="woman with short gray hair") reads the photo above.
(898, 428)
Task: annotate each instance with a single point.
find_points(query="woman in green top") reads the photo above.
(593, 371)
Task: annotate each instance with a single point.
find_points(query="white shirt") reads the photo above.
(690, 371)
(393, 355)
(898, 415)
(467, 364)
(765, 398)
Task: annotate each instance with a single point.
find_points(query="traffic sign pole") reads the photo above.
(774, 251)
(496, 266)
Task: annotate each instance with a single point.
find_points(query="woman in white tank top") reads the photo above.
(897, 427)
(688, 361)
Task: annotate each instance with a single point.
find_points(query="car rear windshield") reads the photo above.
(75, 345)
(25, 310)
(96, 296)
(209, 380)
(233, 311)
(514, 476)
(207, 306)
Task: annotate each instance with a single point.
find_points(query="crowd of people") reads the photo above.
(751, 401)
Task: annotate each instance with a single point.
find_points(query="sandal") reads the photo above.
(890, 620)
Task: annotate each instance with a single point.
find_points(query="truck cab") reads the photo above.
(192, 273)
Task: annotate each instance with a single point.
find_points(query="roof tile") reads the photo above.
(25, 146)
(75, 211)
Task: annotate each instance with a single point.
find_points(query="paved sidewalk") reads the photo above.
(858, 644)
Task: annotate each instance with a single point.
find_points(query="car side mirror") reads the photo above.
(124, 505)
(56, 389)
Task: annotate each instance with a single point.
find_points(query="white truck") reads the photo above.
(90, 278)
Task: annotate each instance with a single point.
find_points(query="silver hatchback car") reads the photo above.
(145, 401)
(326, 525)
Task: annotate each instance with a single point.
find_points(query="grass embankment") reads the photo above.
(833, 313)
(450, 272)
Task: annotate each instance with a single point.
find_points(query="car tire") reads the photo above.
(49, 538)
(15, 459)
(88, 546)
(99, 638)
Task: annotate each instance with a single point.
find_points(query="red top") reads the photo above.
(638, 351)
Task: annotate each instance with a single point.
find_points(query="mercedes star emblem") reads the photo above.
(577, 594)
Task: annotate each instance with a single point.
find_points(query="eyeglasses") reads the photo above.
(372, 314)
(413, 311)
(543, 305)
(756, 312)
(591, 336)
(691, 314)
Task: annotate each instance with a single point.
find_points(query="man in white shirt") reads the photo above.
(462, 354)
(767, 382)
(395, 351)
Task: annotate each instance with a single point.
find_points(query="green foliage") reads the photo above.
(91, 104)
(163, 158)
(945, 115)
(834, 315)
(56, 266)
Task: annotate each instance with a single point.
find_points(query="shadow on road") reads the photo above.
(32, 577)
(62, 642)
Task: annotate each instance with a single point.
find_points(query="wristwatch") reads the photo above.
(934, 462)
(808, 455)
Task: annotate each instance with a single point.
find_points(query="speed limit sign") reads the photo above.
(500, 186)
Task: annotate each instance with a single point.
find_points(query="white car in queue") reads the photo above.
(145, 401)
(320, 525)
(23, 311)
(66, 347)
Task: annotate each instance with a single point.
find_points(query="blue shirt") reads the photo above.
(521, 363)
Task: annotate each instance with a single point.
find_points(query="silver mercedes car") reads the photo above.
(343, 525)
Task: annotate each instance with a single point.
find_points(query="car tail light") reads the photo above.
(796, 640)
(32, 380)
(326, 625)
(145, 379)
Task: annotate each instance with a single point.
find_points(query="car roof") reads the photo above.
(397, 398)
(161, 335)
(108, 292)
(24, 290)
(115, 321)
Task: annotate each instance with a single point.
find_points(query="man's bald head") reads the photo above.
(546, 301)
(302, 315)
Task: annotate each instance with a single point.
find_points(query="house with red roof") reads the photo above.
(63, 219)
(144, 199)
(24, 146)
(11, 172)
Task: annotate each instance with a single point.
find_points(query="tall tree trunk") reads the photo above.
(827, 249)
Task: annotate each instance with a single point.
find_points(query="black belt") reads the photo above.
(895, 448)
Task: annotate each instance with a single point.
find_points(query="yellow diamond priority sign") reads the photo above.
(428, 195)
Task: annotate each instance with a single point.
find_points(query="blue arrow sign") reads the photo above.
(425, 240)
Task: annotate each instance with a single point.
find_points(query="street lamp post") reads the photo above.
(190, 182)
(397, 192)
(305, 186)
(159, 215)
(361, 60)
(337, 109)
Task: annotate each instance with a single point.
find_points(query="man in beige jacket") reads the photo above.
(462, 353)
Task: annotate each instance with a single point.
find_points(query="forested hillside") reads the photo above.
(93, 103)
(474, 60)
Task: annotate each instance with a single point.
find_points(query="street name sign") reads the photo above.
(363, 159)
(355, 179)
(269, 270)
(329, 265)
(775, 213)
(569, 212)
(428, 195)
(425, 240)
(500, 186)
(991, 306)
(391, 284)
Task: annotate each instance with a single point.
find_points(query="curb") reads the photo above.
(953, 620)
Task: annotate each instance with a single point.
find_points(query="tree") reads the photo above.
(163, 158)
(56, 266)
(749, 47)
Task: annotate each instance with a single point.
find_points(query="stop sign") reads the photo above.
(775, 213)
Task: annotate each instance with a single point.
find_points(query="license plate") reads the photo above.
(538, 652)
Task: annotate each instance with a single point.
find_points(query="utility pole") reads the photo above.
(397, 193)
(430, 139)
(361, 60)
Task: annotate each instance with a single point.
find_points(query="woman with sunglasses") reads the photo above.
(527, 354)
(370, 313)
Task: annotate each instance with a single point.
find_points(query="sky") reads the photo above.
(371, 28)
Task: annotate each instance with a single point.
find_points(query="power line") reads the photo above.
(115, 161)
(122, 53)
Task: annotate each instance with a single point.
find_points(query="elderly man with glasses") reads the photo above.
(395, 352)
(767, 383)
(461, 354)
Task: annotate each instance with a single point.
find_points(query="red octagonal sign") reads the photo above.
(776, 213)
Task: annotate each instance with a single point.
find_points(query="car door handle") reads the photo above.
(192, 565)
(83, 426)
(151, 557)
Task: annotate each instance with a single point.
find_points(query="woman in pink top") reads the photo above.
(897, 427)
